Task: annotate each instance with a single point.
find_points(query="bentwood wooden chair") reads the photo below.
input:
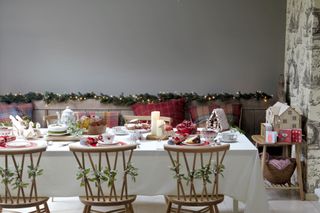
(50, 119)
(19, 170)
(104, 172)
(197, 171)
(128, 118)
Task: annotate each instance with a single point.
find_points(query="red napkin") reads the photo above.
(5, 139)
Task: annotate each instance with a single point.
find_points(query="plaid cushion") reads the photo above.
(201, 112)
(6, 110)
(111, 118)
(173, 108)
(25, 109)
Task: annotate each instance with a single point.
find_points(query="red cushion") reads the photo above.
(173, 108)
(200, 112)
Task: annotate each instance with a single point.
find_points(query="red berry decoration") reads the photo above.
(92, 141)
(187, 127)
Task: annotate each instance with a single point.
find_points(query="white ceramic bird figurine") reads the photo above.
(17, 128)
(29, 133)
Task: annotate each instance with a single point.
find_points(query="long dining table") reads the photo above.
(242, 179)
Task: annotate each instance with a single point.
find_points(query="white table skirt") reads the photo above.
(242, 175)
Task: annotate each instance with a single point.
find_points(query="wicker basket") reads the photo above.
(276, 176)
(96, 130)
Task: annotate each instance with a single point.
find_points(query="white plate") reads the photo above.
(57, 134)
(107, 144)
(140, 130)
(228, 141)
(193, 144)
(57, 128)
(16, 144)
(121, 130)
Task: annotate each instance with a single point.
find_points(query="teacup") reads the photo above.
(135, 136)
(228, 136)
(108, 137)
(209, 134)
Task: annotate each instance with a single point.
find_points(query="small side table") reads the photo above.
(260, 141)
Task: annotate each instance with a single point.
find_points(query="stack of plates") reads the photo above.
(57, 130)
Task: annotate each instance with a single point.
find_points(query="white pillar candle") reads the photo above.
(160, 128)
(155, 115)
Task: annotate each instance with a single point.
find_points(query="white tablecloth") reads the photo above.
(242, 177)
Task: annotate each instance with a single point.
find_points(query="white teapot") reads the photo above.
(67, 116)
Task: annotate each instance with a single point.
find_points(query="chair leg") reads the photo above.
(127, 209)
(216, 210)
(169, 207)
(38, 209)
(211, 209)
(89, 209)
(131, 208)
(85, 209)
(47, 210)
(179, 209)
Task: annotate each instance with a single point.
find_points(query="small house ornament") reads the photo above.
(282, 116)
(218, 120)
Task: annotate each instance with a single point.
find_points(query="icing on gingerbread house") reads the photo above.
(218, 120)
(282, 116)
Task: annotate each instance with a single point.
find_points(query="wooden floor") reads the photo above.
(279, 201)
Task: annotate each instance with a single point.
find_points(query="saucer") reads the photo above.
(18, 144)
(120, 130)
(107, 144)
(193, 144)
(229, 141)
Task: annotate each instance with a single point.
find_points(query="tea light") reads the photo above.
(155, 116)
(160, 128)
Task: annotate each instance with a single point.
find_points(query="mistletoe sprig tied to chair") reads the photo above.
(196, 171)
(103, 172)
(19, 172)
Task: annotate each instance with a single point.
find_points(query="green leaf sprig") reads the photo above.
(82, 175)
(131, 171)
(34, 171)
(7, 176)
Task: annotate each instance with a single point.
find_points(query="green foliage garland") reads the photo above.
(50, 97)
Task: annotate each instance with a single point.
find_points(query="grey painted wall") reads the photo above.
(136, 46)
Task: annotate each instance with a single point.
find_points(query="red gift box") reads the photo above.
(284, 135)
(296, 135)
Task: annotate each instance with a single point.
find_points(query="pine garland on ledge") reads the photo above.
(50, 97)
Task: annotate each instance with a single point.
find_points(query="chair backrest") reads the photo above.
(19, 169)
(104, 171)
(50, 119)
(197, 170)
(128, 118)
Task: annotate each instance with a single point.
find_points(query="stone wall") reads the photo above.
(302, 73)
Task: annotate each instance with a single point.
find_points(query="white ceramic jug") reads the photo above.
(67, 116)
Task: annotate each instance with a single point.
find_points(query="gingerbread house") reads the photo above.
(218, 120)
(282, 116)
